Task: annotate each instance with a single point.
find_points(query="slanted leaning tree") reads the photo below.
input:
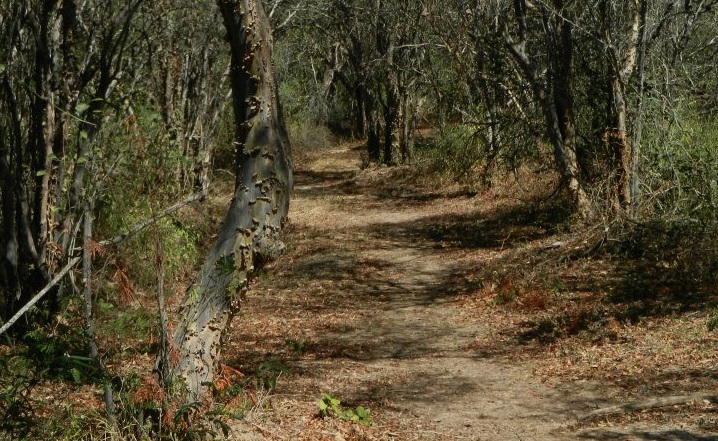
(249, 234)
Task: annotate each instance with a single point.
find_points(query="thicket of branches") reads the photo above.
(617, 96)
(111, 111)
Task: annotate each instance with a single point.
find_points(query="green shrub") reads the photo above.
(331, 406)
(180, 240)
(453, 152)
(680, 168)
(306, 136)
(18, 376)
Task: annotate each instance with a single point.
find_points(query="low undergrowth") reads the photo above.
(630, 306)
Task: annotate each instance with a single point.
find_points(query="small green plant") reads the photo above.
(713, 320)
(557, 287)
(225, 265)
(331, 406)
(298, 346)
(195, 424)
(268, 373)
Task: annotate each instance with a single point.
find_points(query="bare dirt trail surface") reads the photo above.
(364, 307)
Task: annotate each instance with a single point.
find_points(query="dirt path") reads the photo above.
(363, 306)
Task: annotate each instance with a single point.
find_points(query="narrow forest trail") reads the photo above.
(364, 306)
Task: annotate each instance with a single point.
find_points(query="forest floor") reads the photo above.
(456, 315)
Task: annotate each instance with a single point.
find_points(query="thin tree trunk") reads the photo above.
(554, 96)
(407, 127)
(88, 304)
(638, 121)
(359, 115)
(621, 68)
(249, 234)
(561, 44)
(87, 281)
(488, 96)
(390, 126)
(372, 127)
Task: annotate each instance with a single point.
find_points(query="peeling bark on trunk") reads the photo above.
(622, 67)
(249, 234)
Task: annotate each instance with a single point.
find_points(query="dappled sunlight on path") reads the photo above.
(363, 306)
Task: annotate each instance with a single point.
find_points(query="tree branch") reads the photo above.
(147, 222)
(115, 240)
(41, 294)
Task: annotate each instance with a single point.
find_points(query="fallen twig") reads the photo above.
(652, 403)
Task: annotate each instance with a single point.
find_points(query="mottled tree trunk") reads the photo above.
(618, 136)
(258, 210)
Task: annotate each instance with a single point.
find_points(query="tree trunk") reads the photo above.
(555, 96)
(249, 234)
(372, 127)
(560, 44)
(390, 127)
(488, 96)
(621, 68)
(407, 128)
(637, 129)
(359, 115)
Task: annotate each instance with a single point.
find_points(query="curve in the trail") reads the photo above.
(407, 346)
(370, 297)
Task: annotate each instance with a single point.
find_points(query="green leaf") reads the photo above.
(322, 405)
(224, 427)
(81, 107)
(83, 134)
(40, 173)
(76, 375)
(2, 68)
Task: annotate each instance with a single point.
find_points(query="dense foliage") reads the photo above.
(609, 94)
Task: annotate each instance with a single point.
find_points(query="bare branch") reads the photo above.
(147, 222)
(652, 403)
(115, 240)
(41, 294)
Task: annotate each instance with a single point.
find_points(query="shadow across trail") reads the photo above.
(665, 435)
(363, 306)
